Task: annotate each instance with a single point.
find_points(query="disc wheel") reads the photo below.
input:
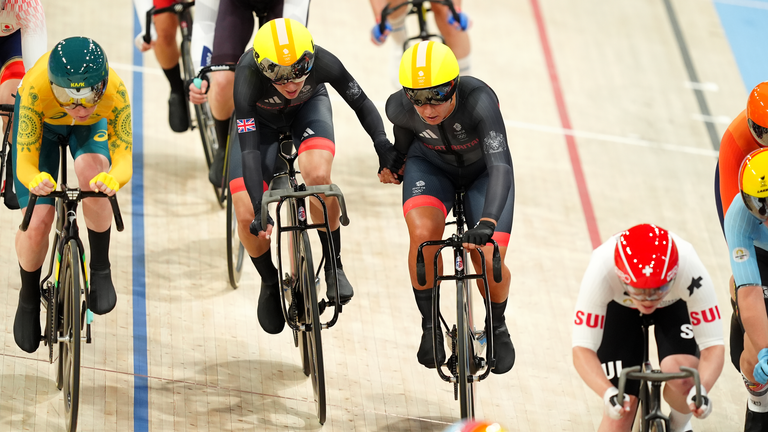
(314, 346)
(69, 347)
(464, 355)
(235, 249)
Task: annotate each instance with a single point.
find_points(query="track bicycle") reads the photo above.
(66, 297)
(420, 9)
(235, 249)
(649, 410)
(204, 119)
(6, 157)
(465, 366)
(298, 293)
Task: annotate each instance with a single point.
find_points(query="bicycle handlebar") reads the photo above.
(176, 8)
(215, 68)
(7, 108)
(388, 11)
(456, 242)
(330, 190)
(73, 195)
(655, 376)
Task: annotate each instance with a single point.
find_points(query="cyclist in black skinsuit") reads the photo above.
(454, 136)
(279, 88)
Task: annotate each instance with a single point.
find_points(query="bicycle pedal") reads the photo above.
(321, 306)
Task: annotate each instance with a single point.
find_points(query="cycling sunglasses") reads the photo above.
(437, 95)
(756, 205)
(296, 73)
(648, 294)
(759, 132)
(73, 97)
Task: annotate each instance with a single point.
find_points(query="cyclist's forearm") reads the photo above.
(591, 371)
(711, 365)
(753, 316)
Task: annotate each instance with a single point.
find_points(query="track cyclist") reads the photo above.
(454, 136)
(23, 27)
(454, 33)
(167, 54)
(71, 93)
(280, 87)
(235, 23)
(747, 238)
(642, 273)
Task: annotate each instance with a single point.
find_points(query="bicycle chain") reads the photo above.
(50, 334)
(453, 363)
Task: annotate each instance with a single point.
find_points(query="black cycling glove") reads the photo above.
(255, 228)
(390, 158)
(480, 234)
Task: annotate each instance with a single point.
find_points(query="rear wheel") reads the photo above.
(235, 249)
(312, 313)
(465, 356)
(69, 354)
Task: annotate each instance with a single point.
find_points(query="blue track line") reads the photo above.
(140, 370)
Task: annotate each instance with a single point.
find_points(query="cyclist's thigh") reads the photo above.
(737, 329)
(294, 9)
(88, 139)
(268, 137)
(234, 27)
(474, 201)
(312, 125)
(10, 57)
(49, 159)
(674, 334)
(425, 183)
(622, 344)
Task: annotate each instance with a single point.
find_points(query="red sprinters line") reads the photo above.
(573, 152)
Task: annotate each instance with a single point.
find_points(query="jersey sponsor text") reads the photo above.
(590, 319)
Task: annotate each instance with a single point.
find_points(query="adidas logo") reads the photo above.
(273, 100)
(428, 134)
(308, 132)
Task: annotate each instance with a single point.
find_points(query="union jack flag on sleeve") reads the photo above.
(246, 125)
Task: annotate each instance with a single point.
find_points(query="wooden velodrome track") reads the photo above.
(605, 131)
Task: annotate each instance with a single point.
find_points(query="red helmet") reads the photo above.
(646, 261)
(474, 426)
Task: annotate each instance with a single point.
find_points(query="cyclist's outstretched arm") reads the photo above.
(34, 36)
(204, 29)
(120, 133)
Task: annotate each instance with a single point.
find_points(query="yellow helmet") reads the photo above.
(284, 50)
(429, 73)
(753, 184)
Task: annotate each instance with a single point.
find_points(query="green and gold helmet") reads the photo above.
(78, 71)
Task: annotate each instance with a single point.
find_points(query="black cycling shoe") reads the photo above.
(504, 350)
(345, 288)
(103, 296)
(425, 355)
(178, 112)
(216, 172)
(755, 421)
(26, 327)
(270, 311)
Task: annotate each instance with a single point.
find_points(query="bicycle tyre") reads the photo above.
(658, 426)
(235, 248)
(312, 314)
(464, 354)
(304, 350)
(69, 348)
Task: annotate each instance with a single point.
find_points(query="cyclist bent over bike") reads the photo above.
(454, 136)
(647, 274)
(280, 87)
(72, 94)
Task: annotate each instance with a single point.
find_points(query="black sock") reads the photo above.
(174, 78)
(29, 294)
(222, 130)
(336, 237)
(266, 269)
(424, 302)
(497, 309)
(99, 242)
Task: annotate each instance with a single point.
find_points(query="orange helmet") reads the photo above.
(757, 113)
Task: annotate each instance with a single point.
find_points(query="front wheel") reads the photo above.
(69, 346)
(312, 314)
(465, 355)
(658, 426)
(235, 249)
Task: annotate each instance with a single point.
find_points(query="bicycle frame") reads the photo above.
(418, 8)
(463, 300)
(296, 195)
(6, 110)
(650, 386)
